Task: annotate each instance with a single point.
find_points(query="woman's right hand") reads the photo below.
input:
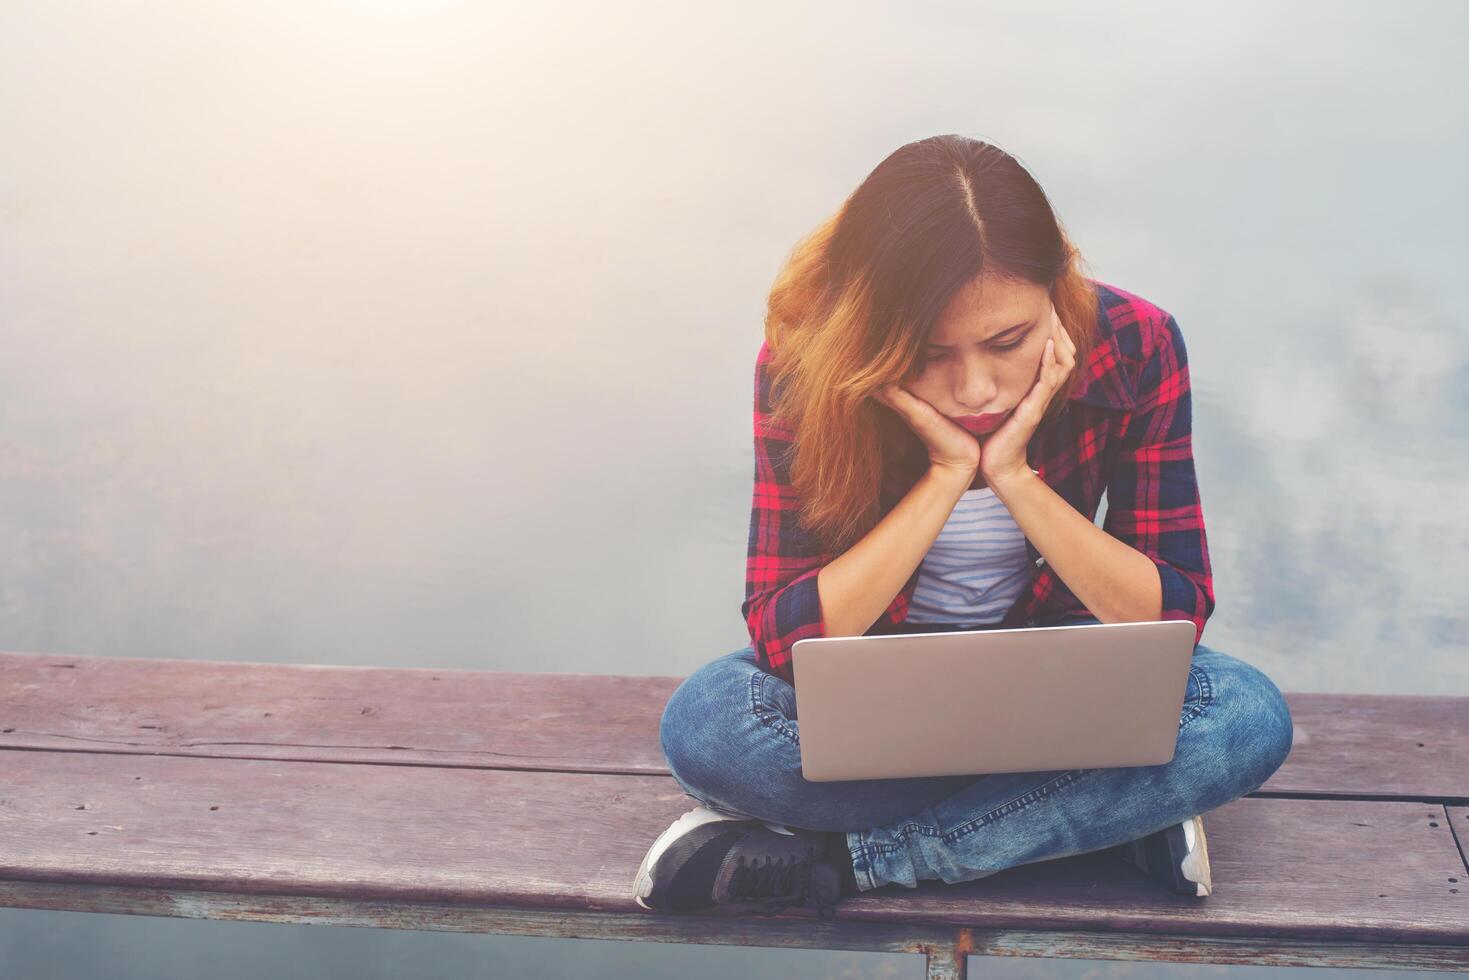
(950, 446)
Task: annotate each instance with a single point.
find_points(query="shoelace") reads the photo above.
(782, 885)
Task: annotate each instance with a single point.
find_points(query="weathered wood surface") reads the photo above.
(1369, 745)
(943, 944)
(523, 802)
(555, 722)
(1305, 869)
(1458, 817)
(1346, 746)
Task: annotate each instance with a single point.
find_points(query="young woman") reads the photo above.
(941, 400)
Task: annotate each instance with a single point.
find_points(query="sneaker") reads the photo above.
(1176, 856)
(709, 857)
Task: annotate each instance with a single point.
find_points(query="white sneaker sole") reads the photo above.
(697, 817)
(1195, 864)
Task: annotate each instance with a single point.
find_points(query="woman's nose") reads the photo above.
(976, 388)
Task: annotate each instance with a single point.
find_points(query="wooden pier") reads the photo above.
(522, 803)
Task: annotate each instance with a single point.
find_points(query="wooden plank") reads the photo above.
(404, 716)
(1458, 818)
(1366, 745)
(1294, 869)
(779, 932)
(1346, 746)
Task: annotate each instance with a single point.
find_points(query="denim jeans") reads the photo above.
(731, 738)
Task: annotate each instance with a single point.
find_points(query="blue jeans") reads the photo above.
(732, 740)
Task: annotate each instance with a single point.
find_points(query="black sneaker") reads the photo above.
(709, 857)
(1176, 856)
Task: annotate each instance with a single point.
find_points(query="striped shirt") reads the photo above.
(976, 568)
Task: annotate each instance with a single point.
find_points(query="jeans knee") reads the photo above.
(677, 727)
(1257, 735)
(1278, 723)
(696, 713)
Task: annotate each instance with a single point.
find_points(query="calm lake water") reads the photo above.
(422, 334)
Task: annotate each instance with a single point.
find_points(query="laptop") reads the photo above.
(1028, 699)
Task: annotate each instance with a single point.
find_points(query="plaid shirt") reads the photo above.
(1126, 430)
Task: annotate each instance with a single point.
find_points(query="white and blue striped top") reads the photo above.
(976, 568)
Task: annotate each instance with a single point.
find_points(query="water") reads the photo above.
(423, 335)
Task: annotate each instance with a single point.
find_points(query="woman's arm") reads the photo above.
(1118, 583)
(794, 589)
(1150, 558)
(781, 602)
(859, 585)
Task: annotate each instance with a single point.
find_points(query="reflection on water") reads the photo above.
(381, 333)
(1333, 474)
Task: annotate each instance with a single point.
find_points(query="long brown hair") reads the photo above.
(853, 305)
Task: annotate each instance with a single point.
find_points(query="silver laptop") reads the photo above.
(985, 701)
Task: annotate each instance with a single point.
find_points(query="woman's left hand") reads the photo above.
(1002, 452)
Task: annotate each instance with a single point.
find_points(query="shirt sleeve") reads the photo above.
(1153, 495)
(781, 602)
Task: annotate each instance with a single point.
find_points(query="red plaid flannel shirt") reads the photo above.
(1125, 431)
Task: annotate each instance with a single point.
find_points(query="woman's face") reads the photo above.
(984, 354)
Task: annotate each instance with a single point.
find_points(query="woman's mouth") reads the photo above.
(981, 424)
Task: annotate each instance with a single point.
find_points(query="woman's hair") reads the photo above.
(853, 306)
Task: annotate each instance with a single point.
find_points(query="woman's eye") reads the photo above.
(1003, 348)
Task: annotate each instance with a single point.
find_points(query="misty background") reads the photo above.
(422, 334)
